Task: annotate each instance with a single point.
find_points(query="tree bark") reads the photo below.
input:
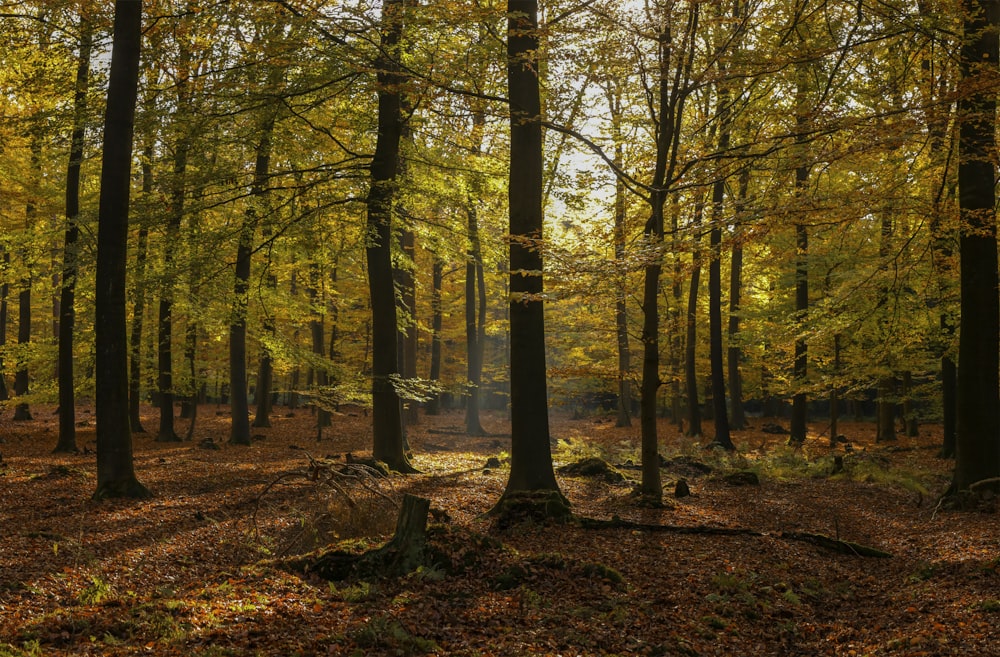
(4, 293)
(691, 341)
(22, 411)
(115, 469)
(139, 304)
(437, 322)
(734, 354)
(978, 444)
(67, 293)
(621, 268)
(387, 421)
(531, 456)
(800, 368)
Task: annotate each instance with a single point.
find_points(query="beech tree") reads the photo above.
(531, 455)
(115, 469)
(386, 413)
(70, 268)
(977, 455)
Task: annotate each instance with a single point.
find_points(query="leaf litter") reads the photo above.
(200, 568)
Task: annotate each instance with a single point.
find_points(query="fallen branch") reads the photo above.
(819, 540)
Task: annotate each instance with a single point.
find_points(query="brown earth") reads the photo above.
(198, 568)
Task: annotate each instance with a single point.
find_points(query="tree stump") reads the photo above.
(405, 552)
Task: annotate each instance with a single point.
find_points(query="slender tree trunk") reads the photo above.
(834, 392)
(734, 354)
(239, 405)
(4, 293)
(621, 269)
(21, 376)
(691, 341)
(978, 444)
(115, 469)
(720, 414)
(677, 318)
(474, 329)
(139, 304)
(178, 193)
(800, 412)
(407, 344)
(437, 321)
(259, 196)
(318, 373)
(67, 294)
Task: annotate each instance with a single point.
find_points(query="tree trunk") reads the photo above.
(4, 293)
(531, 456)
(67, 293)
(886, 421)
(474, 329)
(240, 406)
(691, 341)
(437, 321)
(720, 414)
(21, 376)
(139, 306)
(475, 286)
(800, 412)
(178, 193)
(978, 444)
(734, 354)
(387, 422)
(621, 268)
(115, 469)
(318, 372)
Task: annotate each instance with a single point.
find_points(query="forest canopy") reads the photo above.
(804, 157)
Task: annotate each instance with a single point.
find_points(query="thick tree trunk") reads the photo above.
(978, 444)
(531, 456)
(115, 469)
(387, 422)
(67, 293)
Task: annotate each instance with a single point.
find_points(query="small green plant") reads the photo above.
(988, 606)
(359, 592)
(97, 591)
(791, 598)
(429, 573)
(714, 622)
(31, 648)
(924, 572)
(387, 633)
(728, 583)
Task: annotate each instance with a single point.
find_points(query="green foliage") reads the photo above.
(30, 648)
(97, 590)
(387, 633)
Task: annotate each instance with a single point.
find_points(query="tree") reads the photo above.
(67, 319)
(115, 469)
(531, 456)
(978, 446)
(386, 413)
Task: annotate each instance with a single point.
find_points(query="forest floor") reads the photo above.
(200, 568)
